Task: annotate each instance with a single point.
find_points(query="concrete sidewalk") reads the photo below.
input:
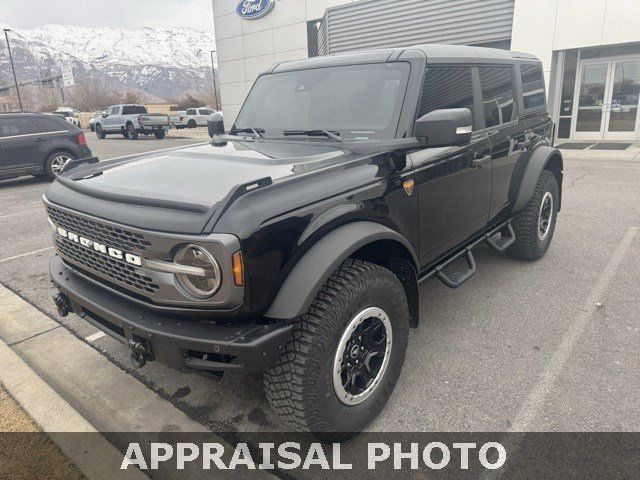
(67, 386)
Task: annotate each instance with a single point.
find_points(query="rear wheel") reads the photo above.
(191, 124)
(131, 132)
(159, 134)
(345, 357)
(100, 132)
(56, 162)
(535, 224)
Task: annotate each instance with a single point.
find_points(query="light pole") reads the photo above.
(215, 88)
(13, 69)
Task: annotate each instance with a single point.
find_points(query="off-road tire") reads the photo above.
(192, 124)
(528, 246)
(100, 132)
(299, 387)
(159, 134)
(131, 132)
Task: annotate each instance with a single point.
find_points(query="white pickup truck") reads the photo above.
(193, 117)
(130, 121)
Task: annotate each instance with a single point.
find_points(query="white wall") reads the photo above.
(544, 26)
(248, 47)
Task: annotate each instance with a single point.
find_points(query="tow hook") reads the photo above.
(62, 303)
(138, 358)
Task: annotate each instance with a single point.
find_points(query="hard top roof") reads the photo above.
(435, 53)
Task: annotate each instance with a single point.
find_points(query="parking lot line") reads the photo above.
(95, 336)
(530, 408)
(15, 257)
(22, 213)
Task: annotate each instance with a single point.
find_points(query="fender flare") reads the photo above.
(314, 268)
(536, 163)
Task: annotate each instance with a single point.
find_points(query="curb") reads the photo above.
(53, 414)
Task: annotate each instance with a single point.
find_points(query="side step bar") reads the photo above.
(456, 279)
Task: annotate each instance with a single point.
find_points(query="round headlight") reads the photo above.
(204, 283)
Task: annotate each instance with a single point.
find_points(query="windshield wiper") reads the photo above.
(257, 132)
(319, 132)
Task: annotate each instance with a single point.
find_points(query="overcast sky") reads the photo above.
(130, 14)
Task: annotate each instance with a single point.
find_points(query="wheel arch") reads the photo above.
(365, 240)
(526, 175)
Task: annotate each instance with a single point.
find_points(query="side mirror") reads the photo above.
(215, 126)
(445, 128)
(104, 115)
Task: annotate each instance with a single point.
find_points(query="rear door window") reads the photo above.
(532, 86)
(497, 95)
(191, 111)
(17, 126)
(446, 87)
(133, 110)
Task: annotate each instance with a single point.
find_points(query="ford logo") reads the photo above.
(252, 9)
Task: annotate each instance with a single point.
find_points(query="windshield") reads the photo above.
(357, 101)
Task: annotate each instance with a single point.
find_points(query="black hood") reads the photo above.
(196, 182)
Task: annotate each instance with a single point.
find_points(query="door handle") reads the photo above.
(40, 139)
(480, 162)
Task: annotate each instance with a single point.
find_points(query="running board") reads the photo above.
(461, 275)
(501, 244)
(465, 273)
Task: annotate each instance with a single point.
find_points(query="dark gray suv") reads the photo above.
(38, 144)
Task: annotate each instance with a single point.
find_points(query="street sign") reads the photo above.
(67, 76)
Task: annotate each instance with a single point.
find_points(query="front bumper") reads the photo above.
(183, 344)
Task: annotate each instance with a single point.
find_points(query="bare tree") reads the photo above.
(189, 101)
(91, 94)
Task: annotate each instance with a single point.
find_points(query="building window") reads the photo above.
(446, 87)
(532, 86)
(497, 95)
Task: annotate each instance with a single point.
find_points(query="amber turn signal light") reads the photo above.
(238, 269)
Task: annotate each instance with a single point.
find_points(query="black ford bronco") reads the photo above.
(296, 242)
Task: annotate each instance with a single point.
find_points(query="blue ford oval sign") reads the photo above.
(252, 9)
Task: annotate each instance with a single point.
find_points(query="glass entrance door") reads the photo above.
(589, 104)
(606, 103)
(622, 107)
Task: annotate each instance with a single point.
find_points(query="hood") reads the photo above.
(194, 182)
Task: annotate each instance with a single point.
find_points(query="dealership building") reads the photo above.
(590, 49)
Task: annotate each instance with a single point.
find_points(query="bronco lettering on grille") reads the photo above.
(100, 247)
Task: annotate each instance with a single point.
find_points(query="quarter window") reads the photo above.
(191, 111)
(17, 126)
(532, 86)
(497, 95)
(50, 124)
(446, 87)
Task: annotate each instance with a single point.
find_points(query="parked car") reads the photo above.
(197, 117)
(130, 121)
(70, 115)
(296, 243)
(176, 119)
(92, 120)
(38, 144)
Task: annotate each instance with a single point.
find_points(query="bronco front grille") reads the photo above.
(112, 236)
(118, 270)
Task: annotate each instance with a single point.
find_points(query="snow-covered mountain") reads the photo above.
(164, 62)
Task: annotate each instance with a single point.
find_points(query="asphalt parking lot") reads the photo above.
(552, 345)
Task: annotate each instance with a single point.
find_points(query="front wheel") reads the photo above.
(131, 132)
(535, 224)
(100, 132)
(341, 366)
(159, 134)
